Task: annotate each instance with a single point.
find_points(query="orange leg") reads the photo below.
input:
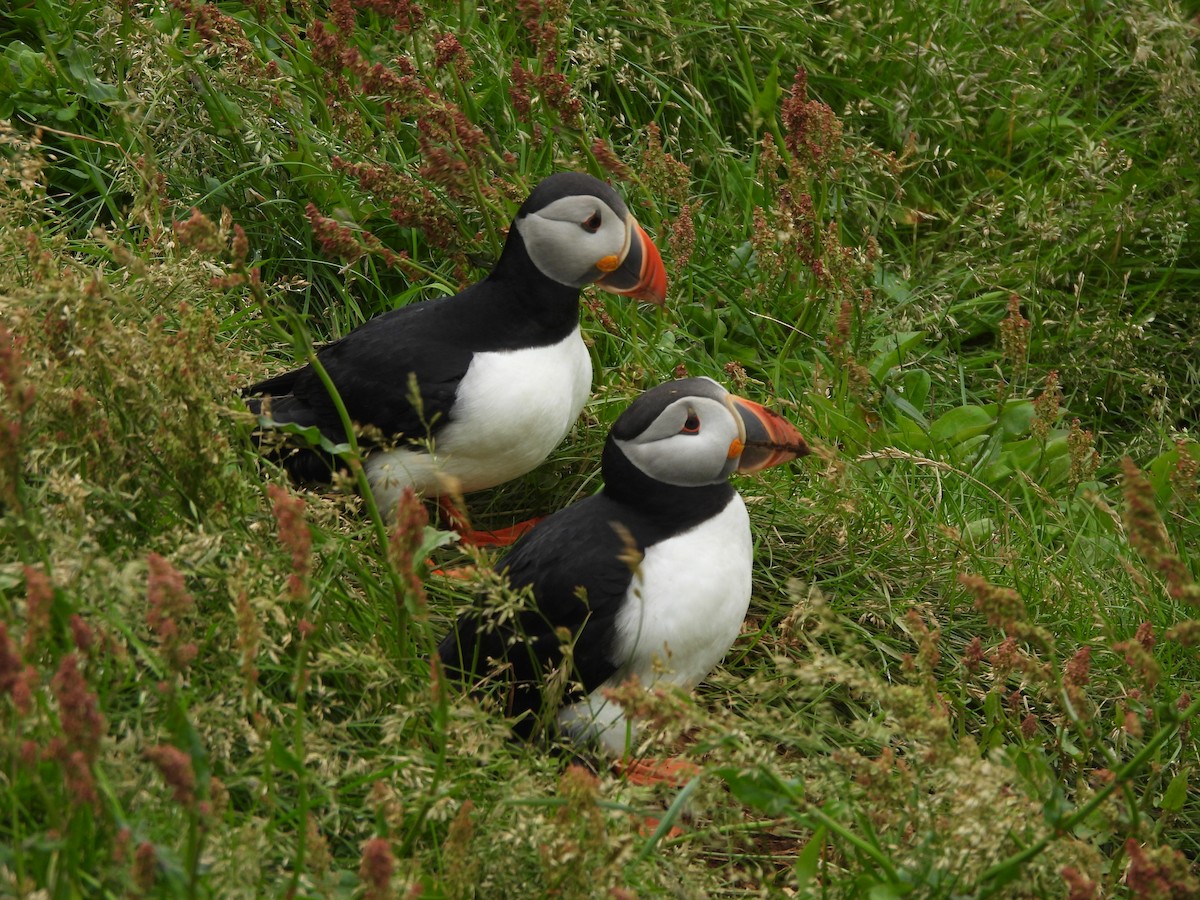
(670, 771)
(673, 772)
(457, 519)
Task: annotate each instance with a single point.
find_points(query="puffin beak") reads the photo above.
(770, 438)
(640, 273)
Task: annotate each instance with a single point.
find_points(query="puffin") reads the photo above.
(648, 578)
(466, 392)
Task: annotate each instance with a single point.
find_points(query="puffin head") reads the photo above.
(578, 231)
(693, 432)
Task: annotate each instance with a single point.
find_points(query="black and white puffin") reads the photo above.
(649, 577)
(500, 369)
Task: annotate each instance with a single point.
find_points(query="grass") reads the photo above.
(956, 243)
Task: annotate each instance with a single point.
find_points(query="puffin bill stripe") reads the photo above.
(641, 274)
(770, 438)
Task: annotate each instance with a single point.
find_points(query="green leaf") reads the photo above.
(892, 350)
(1041, 129)
(808, 858)
(311, 435)
(996, 472)
(961, 424)
(27, 67)
(909, 435)
(978, 530)
(964, 450)
(1022, 454)
(1175, 794)
(226, 116)
(768, 95)
(1056, 470)
(892, 285)
(432, 539)
(915, 384)
(81, 65)
(1057, 807)
(897, 401)
(1162, 466)
(284, 758)
(758, 790)
(1016, 417)
(741, 258)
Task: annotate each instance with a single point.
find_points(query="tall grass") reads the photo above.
(954, 242)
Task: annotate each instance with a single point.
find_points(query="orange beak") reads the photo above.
(641, 273)
(770, 438)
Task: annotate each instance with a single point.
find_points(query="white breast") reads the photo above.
(511, 410)
(678, 620)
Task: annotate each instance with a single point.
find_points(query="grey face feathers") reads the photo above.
(687, 442)
(693, 432)
(578, 231)
(566, 238)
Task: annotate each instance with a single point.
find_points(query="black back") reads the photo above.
(578, 567)
(428, 345)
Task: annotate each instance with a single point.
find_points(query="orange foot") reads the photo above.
(649, 825)
(674, 772)
(463, 573)
(501, 537)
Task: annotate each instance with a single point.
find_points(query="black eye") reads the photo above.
(691, 425)
(592, 224)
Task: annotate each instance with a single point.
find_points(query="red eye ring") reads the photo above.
(592, 224)
(692, 424)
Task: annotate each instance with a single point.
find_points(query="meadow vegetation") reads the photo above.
(957, 243)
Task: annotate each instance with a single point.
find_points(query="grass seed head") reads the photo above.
(1002, 606)
(462, 862)
(405, 541)
(1081, 449)
(168, 611)
(79, 713)
(812, 130)
(1014, 337)
(1046, 407)
(11, 666)
(175, 766)
(1185, 476)
(39, 596)
(295, 536)
(145, 867)
(1148, 536)
(376, 869)
(1139, 658)
(665, 178)
(1159, 872)
(1076, 675)
(81, 633)
(249, 636)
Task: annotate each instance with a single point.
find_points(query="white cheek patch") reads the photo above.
(666, 454)
(563, 249)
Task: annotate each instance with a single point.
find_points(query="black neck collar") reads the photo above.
(670, 505)
(530, 293)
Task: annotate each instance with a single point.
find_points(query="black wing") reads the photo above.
(577, 565)
(398, 372)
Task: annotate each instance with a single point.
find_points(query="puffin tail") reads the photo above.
(302, 461)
